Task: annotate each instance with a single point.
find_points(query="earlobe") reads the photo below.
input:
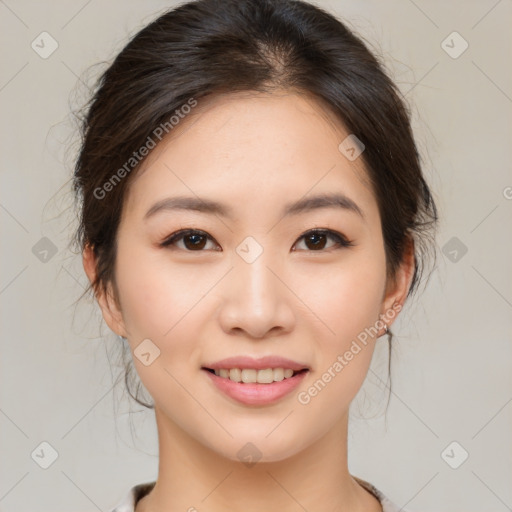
(89, 263)
(108, 305)
(397, 290)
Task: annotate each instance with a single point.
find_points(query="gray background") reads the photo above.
(452, 361)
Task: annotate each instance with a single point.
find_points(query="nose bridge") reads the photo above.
(255, 300)
(255, 283)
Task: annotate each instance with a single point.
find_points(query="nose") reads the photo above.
(255, 300)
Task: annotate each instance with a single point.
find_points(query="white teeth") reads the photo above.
(278, 374)
(250, 376)
(235, 374)
(265, 376)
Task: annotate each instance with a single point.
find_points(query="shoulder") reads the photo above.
(386, 503)
(127, 504)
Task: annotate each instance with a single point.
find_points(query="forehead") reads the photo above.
(254, 150)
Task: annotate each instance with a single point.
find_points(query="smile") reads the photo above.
(250, 375)
(249, 390)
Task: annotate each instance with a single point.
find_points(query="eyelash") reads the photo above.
(341, 240)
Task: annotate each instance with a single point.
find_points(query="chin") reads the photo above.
(258, 449)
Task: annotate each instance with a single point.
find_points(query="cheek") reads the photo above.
(345, 297)
(348, 306)
(157, 296)
(347, 301)
(162, 302)
(169, 304)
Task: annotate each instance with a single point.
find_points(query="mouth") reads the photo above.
(255, 376)
(255, 386)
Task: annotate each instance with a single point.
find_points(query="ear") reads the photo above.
(109, 308)
(397, 289)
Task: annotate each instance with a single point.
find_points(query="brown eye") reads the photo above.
(316, 240)
(193, 240)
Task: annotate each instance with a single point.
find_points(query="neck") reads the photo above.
(192, 477)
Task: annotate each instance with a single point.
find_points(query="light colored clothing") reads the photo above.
(140, 490)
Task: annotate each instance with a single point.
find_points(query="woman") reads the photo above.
(253, 218)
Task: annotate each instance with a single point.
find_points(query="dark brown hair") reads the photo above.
(206, 47)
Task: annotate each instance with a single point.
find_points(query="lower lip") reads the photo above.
(254, 393)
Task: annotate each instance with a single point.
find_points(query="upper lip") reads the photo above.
(262, 363)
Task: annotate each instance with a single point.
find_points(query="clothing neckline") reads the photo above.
(138, 491)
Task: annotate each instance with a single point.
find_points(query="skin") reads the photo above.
(254, 153)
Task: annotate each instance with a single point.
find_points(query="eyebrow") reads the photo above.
(335, 200)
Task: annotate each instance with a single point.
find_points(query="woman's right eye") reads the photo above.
(192, 240)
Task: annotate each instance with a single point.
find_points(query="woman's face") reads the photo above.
(247, 282)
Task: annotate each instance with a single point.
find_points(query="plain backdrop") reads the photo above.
(451, 368)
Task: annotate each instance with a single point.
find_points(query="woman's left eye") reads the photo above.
(316, 239)
(196, 240)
